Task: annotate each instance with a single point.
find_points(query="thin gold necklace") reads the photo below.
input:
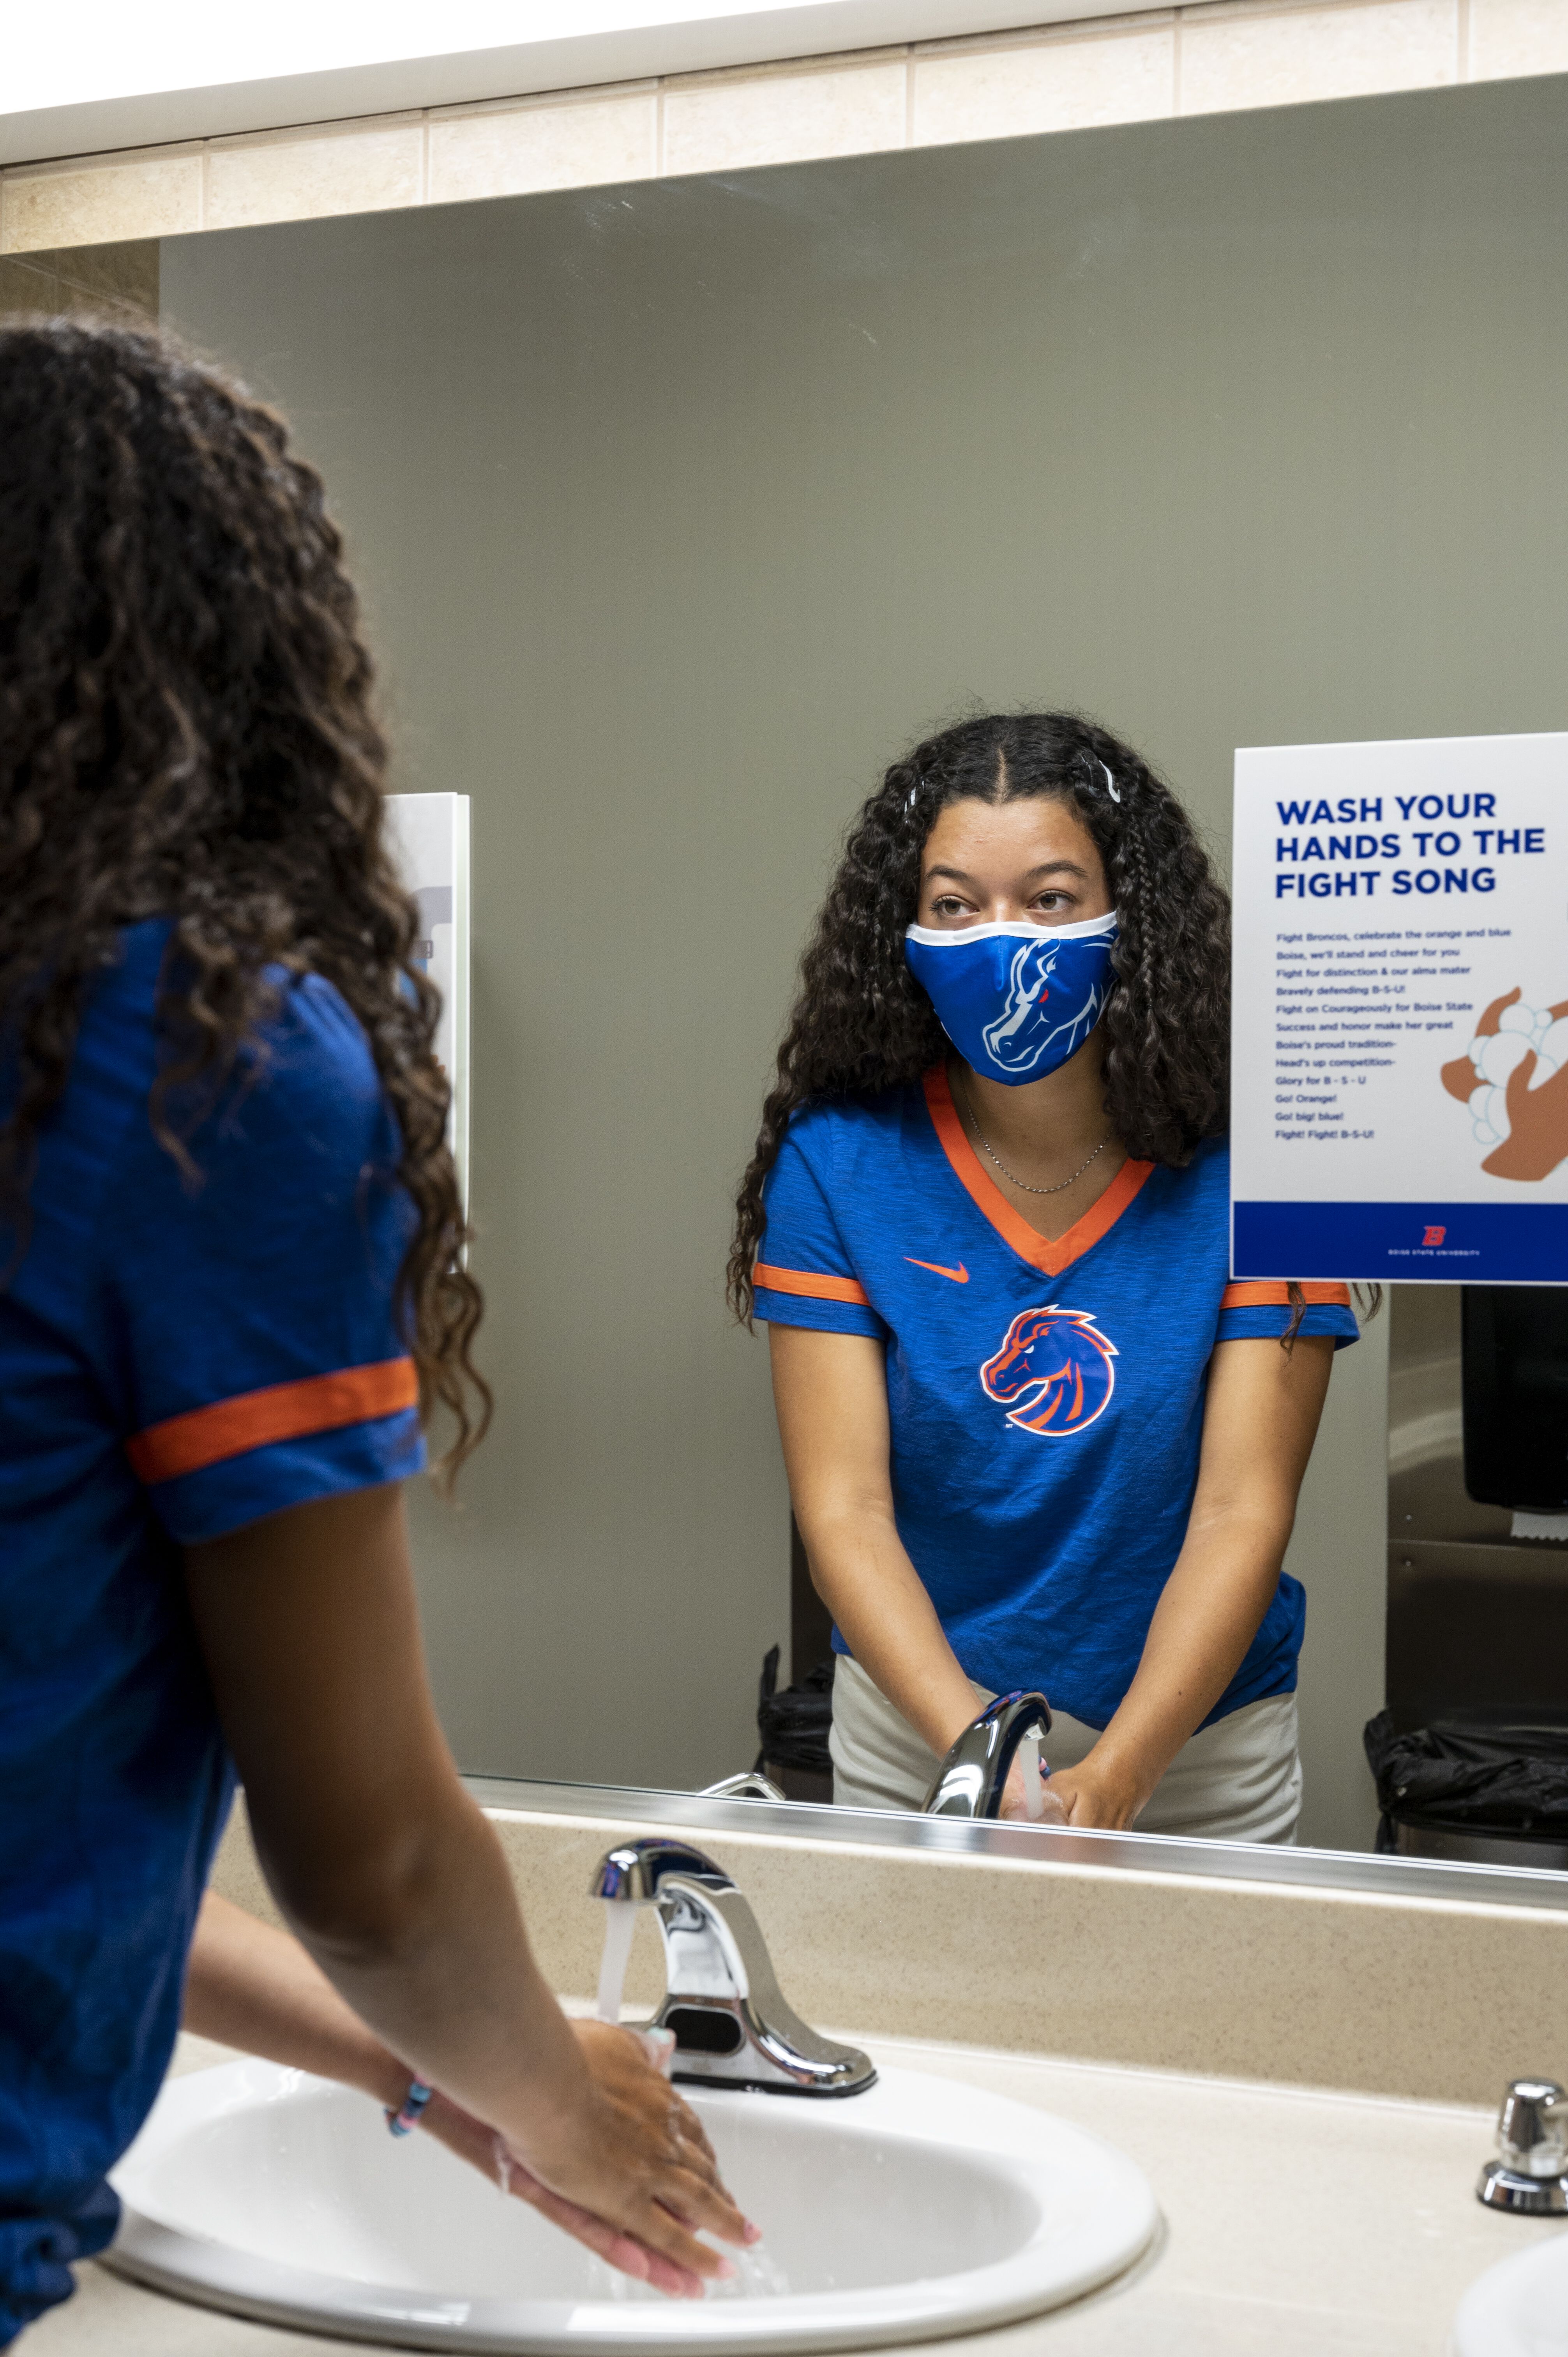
(981, 1140)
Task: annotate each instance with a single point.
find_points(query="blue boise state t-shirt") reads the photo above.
(1045, 1399)
(176, 1360)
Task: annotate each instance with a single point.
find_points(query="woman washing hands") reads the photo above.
(395, 1884)
(252, 1987)
(231, 1290)
(1034, 1435)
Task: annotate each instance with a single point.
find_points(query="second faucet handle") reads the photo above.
(1532, 2171)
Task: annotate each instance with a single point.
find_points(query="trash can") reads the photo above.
(1491, 1791)
(793, 1727)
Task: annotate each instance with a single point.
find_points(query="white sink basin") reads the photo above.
(918, 2209)
(1520, 2308)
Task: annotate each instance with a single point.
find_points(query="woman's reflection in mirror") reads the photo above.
(1036, 1436)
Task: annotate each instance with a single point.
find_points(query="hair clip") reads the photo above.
(1110, 784)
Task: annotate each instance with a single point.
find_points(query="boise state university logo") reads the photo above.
(1053, 1373)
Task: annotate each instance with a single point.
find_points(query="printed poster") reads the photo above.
(429, 835)
(1401, 1011)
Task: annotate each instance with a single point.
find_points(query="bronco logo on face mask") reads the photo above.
(1053, 1373)
(1028, 1036)
(1015, 999)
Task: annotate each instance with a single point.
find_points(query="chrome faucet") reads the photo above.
(1531, 2172)
(751, 1784)
(974, 1777)
(731, 2024)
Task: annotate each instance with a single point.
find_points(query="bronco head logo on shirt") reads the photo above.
(1053, 1373)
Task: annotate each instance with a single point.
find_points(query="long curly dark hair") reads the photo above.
(861, 1022)
(187, 731)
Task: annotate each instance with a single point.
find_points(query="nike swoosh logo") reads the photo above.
(960, 1275)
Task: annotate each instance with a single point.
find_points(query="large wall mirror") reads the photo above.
(680, 508)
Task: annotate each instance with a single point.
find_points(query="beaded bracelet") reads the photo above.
(402, 2122)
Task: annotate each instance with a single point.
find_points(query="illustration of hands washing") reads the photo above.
(1514, 1084)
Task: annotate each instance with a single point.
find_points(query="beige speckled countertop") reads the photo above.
(1297, 2224)
(1306, 2069)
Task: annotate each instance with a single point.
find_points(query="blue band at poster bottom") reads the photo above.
(1424, 1244)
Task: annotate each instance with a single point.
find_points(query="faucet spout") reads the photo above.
(731, 2023)
(972, 1777)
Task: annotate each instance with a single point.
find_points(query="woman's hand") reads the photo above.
(251, 1986)
(1095, 1793)
(483, 2149)
(490, 2153)
(1050, 1809)
(632, 2157)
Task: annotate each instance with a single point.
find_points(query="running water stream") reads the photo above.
(621, 1923)
(757, 2276)
(1034, 1790)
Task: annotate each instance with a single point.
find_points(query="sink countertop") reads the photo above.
(1297, 2222)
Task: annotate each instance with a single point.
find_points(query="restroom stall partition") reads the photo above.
(1478, 1612)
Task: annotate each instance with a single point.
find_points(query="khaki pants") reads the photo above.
(1238, 1780)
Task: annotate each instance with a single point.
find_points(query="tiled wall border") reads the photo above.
(1198, 59)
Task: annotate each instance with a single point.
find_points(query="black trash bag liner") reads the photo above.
(794, 1725)
(1499, 1779)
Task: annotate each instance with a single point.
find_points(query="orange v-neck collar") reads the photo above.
(1051, 1254)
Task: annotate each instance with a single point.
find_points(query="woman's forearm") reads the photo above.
(1260, 1421)
(1207, 1617)
(427, 1947)
(866, 1580)
(250, 1986)
(253, 1987)
(830, 1391)
(392, 1876)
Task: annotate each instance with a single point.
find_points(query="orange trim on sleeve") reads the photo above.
(807, 1281)
(1276, 1295)
(1050, 1254)
(230, 1427)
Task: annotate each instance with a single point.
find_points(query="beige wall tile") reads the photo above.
(718, 122)
(1235, 58)
(155, 194)
(580, 143)
(1002, 89)
(349, 168)
(1199, 59)
(1518, 37)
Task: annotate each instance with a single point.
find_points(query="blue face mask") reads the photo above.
(1017, 1000)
